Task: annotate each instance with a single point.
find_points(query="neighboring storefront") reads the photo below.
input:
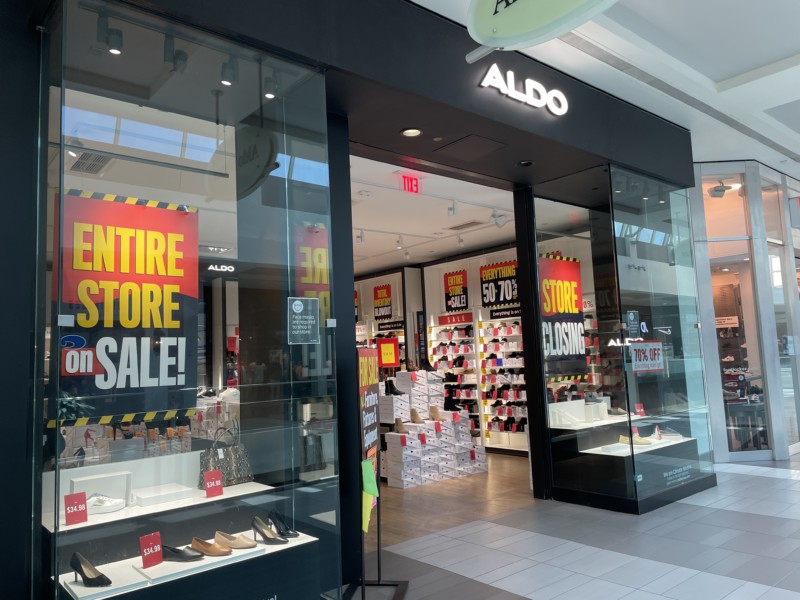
(745, 231)
(190, 334)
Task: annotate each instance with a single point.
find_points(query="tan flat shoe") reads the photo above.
(415, 418)
(236, 542)
(210, 548)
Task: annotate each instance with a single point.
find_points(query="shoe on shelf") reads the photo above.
(637, 440)
(279, 522)
(89, 574)
(728, 358)
(435, 414)
(415, 418)
(668, 432)
(187, 554)
(265, 531)
(98, 504)
(497, 403)
(399, 427)
(235, 542)
(391, 389)
(210, 548)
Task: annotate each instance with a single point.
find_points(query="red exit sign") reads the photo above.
(410, 184)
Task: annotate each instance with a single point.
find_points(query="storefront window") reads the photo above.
(725, 206)
(773, 199)
(663, 362)
(190, 413)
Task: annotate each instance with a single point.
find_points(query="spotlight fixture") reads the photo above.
(114, 41)
(718, 191)
(400, 243)
(498, 220)
(177, 58)
(411, 132)
(460, 242)
(452, 210)
(73, 147)
(407, 255)
(360, 237)
(270, 88)
(662, 201)
(725, 269)
(524, 163)
(230, 71)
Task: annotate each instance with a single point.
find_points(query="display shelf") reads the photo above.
(128, 575)
(611, 420)
(622, 449)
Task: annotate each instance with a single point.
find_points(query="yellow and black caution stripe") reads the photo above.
(553, 256)
(575, 378)
(131, 200)
(143, 417)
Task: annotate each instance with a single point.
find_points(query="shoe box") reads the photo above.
(392, 407)
(404, 483)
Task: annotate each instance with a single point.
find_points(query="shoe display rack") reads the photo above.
(503, 395)
(432, 451)
(453, 352)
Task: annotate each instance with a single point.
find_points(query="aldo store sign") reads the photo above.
(531, 93)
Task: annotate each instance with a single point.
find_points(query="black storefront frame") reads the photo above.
(308, 40)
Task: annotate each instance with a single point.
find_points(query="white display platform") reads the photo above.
(610, 420)
(198, 497)
(127, 575)
(620, 449)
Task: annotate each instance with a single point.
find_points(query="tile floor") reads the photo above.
(738, 541)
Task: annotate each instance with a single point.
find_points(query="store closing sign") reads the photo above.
(499, 284)
(129, 290)
(312, 273)
(561, 299)
(382, 302)
(455, 291)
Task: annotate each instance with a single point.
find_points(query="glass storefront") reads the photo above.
(191, 391)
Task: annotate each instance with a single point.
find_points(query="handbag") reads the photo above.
(232, 460)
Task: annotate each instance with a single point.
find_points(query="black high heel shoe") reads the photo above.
(280, 525)
(89, 574)
(266, 533)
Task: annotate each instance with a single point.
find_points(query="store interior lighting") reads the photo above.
(400, 243)
(177, 58)
(718, 191)
(73, 147)
(452, 210)
(498, 219)
(230, 72)
(460, 242)
(360, 237)
(270, 87)
(110, 37)
(407, 255)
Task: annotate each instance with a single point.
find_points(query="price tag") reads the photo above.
(635, 430)
(499, 411)
(513, 428)
(639, 409)
(213, 483)
(423, 439)
(657, 432)
(75, 508)
(150, 546)
(456, 417)
(437, 425)
(413, 376)
(472, 454)
(510, 412)
(403, 440)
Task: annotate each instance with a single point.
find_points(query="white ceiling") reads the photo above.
(728, 70)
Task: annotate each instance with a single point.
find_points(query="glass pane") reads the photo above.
(786, 342)
(772, 197)
(181, 246)
(725, 205)
(737, 340)
(663, 360)
(587, 408)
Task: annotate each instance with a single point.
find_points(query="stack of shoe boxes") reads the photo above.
(394, 407)
(432, 451)
(415, 385)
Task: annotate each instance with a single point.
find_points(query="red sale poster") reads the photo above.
(311, 267)
(382, 302)
(561, 298)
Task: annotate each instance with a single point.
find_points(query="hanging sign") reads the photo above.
(312, 270)
(129, 287)
(515, 24)
(455, 291)
(561, 299)
(382, 302)
(499, 284)
(388, 352)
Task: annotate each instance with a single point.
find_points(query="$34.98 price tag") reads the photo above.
(213, 483)
(75, 508)
(150, 546)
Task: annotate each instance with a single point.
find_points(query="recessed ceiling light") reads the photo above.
(725, 269)
(438, 138)
(662, 201)
(645, 198)
(72, 153)
(524, 163)
(617, 191)
(411, 132)
(407, 255)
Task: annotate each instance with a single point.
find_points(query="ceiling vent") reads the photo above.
(467, 225)
(91, 163)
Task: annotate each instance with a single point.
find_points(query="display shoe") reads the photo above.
(281, 527)
(668, 432)
(450, 378)
(399, 426)
(616, 411)
(391, 388)
(497, 403)
(637, 440)
(89, 574)
(186, 554)
(210, 548)
(235, 542)
(100, 503)
(267, 534)
(435, 414)
(415, 418)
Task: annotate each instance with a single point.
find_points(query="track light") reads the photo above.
(73, 147)
(452, 210)
(114, 41)
(407, 255)
(230, 71)
(498, 220)
(360, 237)
(178, 58)
(270, 88)
(718, 191)
(460, 242)
(400, 243)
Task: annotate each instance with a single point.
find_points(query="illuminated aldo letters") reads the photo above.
(535, 93)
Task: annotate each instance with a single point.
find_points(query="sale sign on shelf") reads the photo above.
(647, 356)
(75, 508)
(150, 546)
(213, 483)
